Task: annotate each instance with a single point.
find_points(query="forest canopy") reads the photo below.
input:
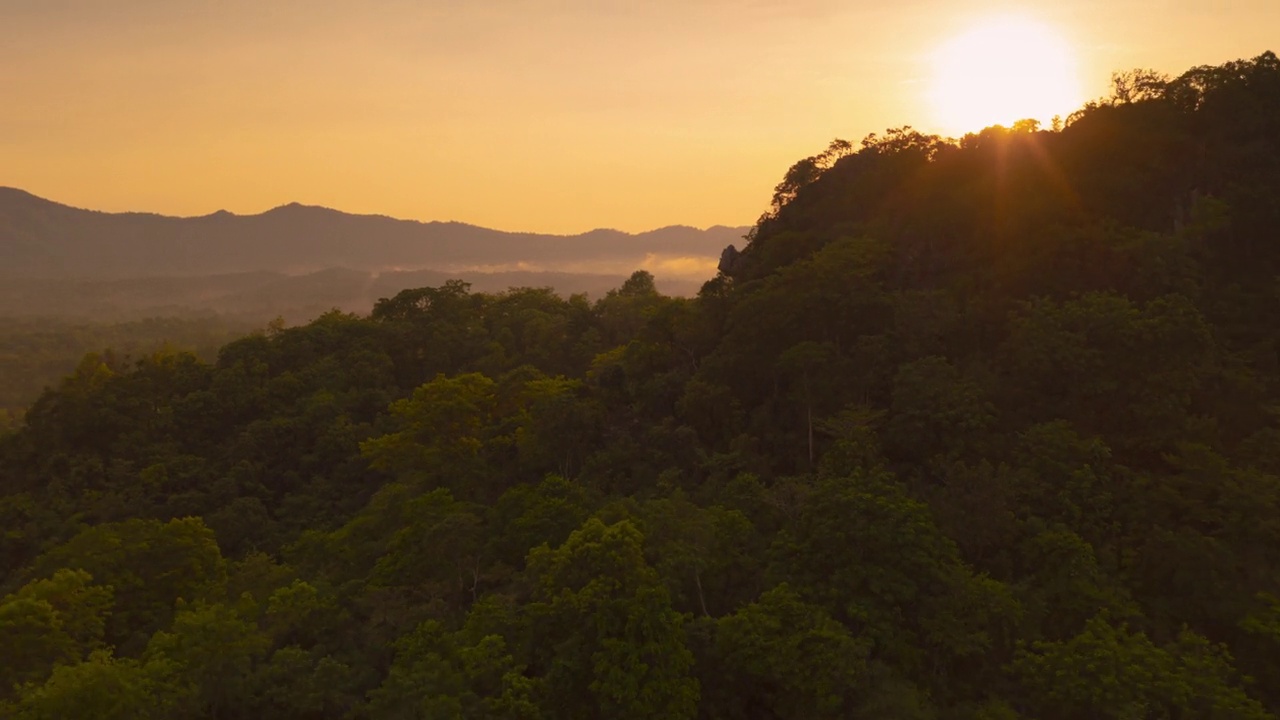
(984, 428)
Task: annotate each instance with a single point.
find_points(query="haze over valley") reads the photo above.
(74, 280)
(298, 260)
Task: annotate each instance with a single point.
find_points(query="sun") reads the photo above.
(1000, 71)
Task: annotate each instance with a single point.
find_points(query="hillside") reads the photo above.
(43, 239)
(981, 429)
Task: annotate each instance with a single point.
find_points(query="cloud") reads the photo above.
(680, 266)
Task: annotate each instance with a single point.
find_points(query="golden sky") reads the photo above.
(538, 115)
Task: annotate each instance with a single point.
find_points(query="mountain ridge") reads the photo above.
(44, 238)
(223, 212)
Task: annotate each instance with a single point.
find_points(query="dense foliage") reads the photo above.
(36, 352)
(983, 429)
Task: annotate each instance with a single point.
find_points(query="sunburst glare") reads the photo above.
(1002, 70)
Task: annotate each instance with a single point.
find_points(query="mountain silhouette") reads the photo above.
(45, 239)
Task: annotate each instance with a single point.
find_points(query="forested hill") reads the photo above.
(982, 430)
(44, 239)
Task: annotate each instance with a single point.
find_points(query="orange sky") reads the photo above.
(538, 115)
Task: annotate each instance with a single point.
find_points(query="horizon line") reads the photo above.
(306, 206)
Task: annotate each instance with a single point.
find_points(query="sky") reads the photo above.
(535, 115)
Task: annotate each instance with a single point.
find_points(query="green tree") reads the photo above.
(101, 687)
(210, 652)
(441, 675)
(789, 658)
(296, 683)
(870, 555)
(441, 431)
(936, 413)
(706, 556)
(1109, 671)
(527, 516)
(50, 622)
(149, 565)
(606, 641)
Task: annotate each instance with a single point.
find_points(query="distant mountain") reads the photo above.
(44, 239)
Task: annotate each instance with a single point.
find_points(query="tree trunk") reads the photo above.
(809, 410)
(702, 602)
